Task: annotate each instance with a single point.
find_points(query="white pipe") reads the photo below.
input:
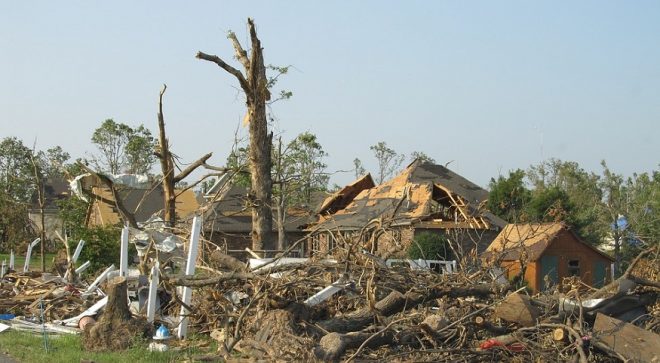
(11, 260)
(190, 271)
(83, 267)
(26, 267)
(76, 254)
(153, 288)
(99, 279)
(123, 257)
(325, 294)
(89, 312)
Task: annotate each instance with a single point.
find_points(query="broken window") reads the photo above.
(574, 268)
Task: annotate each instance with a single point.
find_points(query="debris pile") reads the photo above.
(358, 308)
(33, 294)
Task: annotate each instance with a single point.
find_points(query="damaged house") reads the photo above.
(143, 199)
(544, 253)
(228, 221)
(423, 198)
(55, 190)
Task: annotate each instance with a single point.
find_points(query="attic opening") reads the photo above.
(443, 205)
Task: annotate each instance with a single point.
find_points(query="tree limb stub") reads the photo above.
(241, 54)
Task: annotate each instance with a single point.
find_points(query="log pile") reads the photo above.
(407, 315)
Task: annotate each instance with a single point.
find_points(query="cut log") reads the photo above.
(631, 342)
(559, 335)
(516, 308)
(396, 302)
(482, 323)
(333, 345)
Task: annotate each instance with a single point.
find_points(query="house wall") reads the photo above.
(512, 269)
(51, 220)
(566, 247)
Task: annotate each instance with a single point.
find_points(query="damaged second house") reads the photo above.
(423, 198)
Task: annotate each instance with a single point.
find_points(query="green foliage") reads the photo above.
(237, 162)
(102, 246)
(123, 148)
(508, 196)
(389, 161)
(16, 172)
(430, 246)
(101, 243)
(16, 188)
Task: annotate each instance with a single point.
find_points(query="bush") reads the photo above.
(430, 246)
(102, 247)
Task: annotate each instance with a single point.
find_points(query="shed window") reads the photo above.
(574, 268)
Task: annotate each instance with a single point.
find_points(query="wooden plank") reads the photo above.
(632, 342)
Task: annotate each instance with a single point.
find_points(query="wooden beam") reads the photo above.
(633, 343)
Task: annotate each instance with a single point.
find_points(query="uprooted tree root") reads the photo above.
(116, 329)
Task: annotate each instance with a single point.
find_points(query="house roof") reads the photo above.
(55, 189)
(532, 238)
(228, 212)
(407, 198)
(143, 203)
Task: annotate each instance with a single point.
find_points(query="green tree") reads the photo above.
(16, 188)
(630, 211)
(581, 192)
(123, 148)
(508, 196)
(15, 169)
(389, 161)
(298, 172)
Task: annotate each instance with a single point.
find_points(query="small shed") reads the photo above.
(549, 252)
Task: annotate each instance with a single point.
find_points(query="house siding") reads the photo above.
(566, 247)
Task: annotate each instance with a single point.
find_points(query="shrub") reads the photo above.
(430, 246)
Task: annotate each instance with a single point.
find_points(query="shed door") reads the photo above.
(599, 273)
(549, 265)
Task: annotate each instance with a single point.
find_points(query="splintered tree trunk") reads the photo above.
(167, 166)
(255, 85)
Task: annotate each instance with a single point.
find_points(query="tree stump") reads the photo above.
(116, 329)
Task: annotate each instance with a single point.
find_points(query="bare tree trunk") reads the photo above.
(38, 176)
(255, 85)
(167, 166)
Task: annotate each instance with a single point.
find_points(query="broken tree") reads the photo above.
(167, 166)
(255, 85)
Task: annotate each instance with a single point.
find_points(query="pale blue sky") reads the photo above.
(492, 85)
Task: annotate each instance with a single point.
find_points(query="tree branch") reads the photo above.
(241, 54)
(200, 162)
(231, 70)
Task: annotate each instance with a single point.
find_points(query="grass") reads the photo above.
(35, 261)
(28, 348)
